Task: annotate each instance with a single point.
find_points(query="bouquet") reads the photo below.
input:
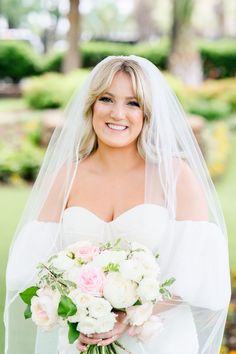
(85, 285)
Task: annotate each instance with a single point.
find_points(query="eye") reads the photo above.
(105, 99)
(134, 103)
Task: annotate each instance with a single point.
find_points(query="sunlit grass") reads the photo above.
(12, 200)
(12, 104)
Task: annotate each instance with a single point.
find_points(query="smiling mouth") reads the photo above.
(116, 127)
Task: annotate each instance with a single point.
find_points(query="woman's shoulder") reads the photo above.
(190, 198)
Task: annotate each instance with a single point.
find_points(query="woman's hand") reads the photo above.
(106, 337)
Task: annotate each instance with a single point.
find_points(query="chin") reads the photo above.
(115, 142)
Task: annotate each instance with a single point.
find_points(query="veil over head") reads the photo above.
(194, 250)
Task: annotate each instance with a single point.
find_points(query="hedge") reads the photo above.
(214, 99)
(218, 57)
(18, 60)
(52, 90)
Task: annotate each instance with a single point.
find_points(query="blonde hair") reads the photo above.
(99, 84)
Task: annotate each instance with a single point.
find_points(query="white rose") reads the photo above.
(106, 323)
(151, 328)
(79, 316)
(137, 246)
(137, 315)
(72, 274)
(120, 292)
(131, 269)
(44, 308)
(82, 300)
(99, 307)
(148, 290)
(88, 325)
(62, 261)
(106, 257)
(148, 262)
(75, 246)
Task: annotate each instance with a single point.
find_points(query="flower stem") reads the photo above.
(53, 275)
(118, 344)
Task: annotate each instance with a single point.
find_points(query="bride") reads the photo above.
(126, 164)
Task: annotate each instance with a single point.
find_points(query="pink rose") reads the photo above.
(84, 250)
(91, 279)
(87, 253)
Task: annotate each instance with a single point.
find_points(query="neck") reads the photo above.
(117, 159)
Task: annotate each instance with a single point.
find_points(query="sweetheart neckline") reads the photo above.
(119, 216)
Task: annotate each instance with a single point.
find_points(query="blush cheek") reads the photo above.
(136, 123)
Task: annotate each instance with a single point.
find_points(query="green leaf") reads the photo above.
(165, 293)
(73, 333)
(117, 242)
(27, 312)
(111, 267)
(138, 302)
(66, 307)
(27, 294)
(71, 255)
(168, 282)
(52, 258)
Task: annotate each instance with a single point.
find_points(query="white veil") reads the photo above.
(195, 251)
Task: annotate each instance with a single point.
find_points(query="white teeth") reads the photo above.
(116, 127)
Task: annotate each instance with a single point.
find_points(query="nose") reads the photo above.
(118, 112)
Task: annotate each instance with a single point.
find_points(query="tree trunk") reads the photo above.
(219, 9)
(72, 58)
(144, 20)
(184, 60)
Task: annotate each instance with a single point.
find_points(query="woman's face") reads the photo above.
(117, 116)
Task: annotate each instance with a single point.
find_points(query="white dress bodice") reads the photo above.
(135, 224)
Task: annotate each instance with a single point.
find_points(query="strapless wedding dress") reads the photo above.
(150, 225)
(194, 252)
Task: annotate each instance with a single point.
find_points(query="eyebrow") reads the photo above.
(111, 94)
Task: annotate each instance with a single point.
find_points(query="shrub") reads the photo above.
(210, 109)
(93, 52)
(217, 141)
(156, 52)
(53, 62)
(183, 92)
(17, 60)
(23, 161)
(28, 160)
(7, 166)
(32, 129)
(213, 99)
(223, 90)
(52, 90)
(219, 58)
(44, 92)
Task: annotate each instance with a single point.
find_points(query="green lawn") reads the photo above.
(12, 200)
(12, 104)
(11, 203)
